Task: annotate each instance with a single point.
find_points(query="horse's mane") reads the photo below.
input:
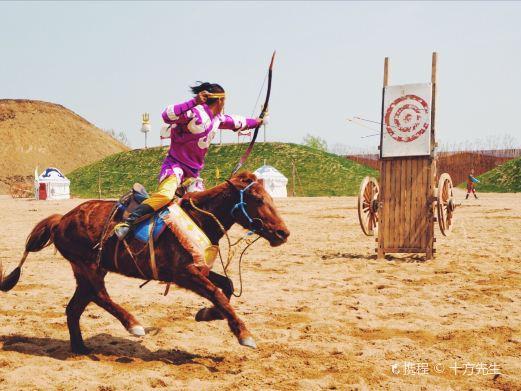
(202, 197)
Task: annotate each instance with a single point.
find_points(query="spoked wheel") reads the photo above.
(446, 204)
(368, 205)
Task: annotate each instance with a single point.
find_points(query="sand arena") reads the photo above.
(324, 312)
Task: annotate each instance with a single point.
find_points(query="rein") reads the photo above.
(231, 252)
(104, 233)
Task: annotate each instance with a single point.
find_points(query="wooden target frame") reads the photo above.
(407, 196)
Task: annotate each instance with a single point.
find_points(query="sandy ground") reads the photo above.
(325, 313)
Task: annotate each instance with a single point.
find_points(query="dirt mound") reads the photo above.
(43, 134)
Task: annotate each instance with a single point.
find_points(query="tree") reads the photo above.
(315, 142)
(121, 136)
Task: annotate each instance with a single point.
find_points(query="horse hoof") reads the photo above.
(249, 342)
(137, 330)
(202, 315)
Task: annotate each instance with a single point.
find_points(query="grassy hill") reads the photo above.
(318, 173)
(503, 179)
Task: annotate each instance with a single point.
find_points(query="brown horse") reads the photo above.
(77, 233)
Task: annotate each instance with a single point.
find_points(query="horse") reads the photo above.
(240, 200)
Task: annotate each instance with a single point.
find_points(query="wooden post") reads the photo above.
(380, 241)
(386, 71)
(431, 185)
(293, 175)
(434, 93)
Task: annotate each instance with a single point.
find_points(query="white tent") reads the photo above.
(274, 182)
(52, 185)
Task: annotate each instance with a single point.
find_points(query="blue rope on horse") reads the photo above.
(241, 206)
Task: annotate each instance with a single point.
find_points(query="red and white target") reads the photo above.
(407, 120)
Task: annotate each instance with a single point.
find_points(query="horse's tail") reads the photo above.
(40, 237)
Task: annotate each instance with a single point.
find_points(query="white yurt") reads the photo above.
(274, 181)
(52, 185)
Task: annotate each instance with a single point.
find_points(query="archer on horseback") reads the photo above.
(193, 126)
(79, 235)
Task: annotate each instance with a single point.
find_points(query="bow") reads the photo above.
(246, 153)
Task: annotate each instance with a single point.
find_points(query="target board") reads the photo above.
(406, 120)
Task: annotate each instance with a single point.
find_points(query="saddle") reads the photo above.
(130, 200)
(150, 224)
(138, 194)
(191, 237)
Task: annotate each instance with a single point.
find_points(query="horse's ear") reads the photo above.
(246, 177)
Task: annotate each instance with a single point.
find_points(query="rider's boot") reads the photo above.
(467, 197)
(122, 229)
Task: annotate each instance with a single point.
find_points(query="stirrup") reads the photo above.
(121, 230)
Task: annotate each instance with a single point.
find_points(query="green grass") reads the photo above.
(318, 173)
(505, 178)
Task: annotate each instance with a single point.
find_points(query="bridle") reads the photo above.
(256, 224)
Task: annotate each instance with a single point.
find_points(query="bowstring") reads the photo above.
(260, 92)
(257, 101)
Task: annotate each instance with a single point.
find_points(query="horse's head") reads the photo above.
(255, 210)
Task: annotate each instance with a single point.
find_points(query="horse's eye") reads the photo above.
(259, 200)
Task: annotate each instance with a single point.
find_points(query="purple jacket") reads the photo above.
(193, 129)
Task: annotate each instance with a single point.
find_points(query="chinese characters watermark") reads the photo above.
(408, 368)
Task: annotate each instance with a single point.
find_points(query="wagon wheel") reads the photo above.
(446, 204)
(368, 205)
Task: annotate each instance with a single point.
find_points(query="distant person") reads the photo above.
(194, 124)
(471, 185)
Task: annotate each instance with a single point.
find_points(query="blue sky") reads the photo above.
(111, 61)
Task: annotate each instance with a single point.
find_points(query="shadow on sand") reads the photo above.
(127, 349)
(333, 255)
(415, 258)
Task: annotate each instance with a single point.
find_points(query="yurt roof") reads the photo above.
(52, 174)
(268, 171)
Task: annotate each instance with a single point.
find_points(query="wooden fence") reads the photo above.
(457, 163)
